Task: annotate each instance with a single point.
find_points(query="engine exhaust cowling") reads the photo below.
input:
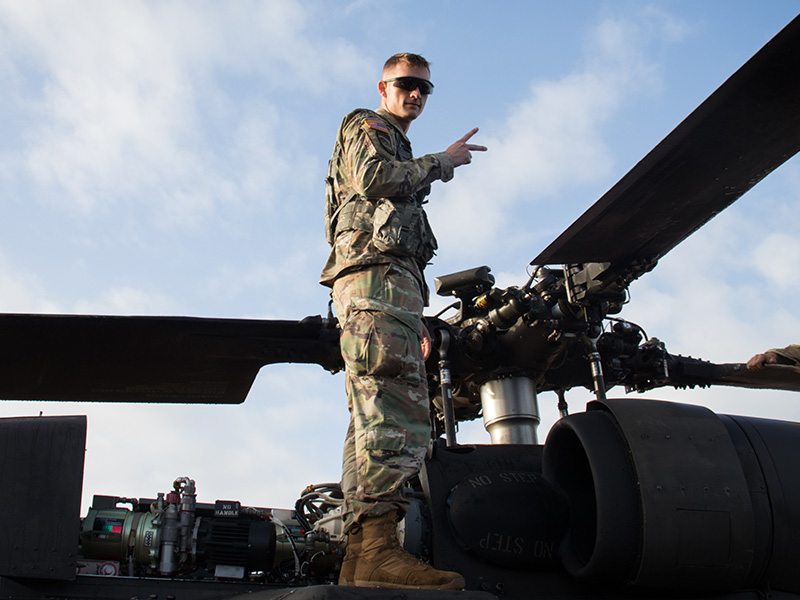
(673, 496)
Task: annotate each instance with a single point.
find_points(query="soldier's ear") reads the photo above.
(382, 88)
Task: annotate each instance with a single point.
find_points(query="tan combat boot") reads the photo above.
(384, 563)
(348, 571)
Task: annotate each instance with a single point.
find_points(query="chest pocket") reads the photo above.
(400, 227)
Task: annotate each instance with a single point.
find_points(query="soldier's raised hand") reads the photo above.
(461, 151)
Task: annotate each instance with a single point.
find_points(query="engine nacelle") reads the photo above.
(674, 497)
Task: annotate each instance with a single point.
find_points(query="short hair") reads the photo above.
(412, 60)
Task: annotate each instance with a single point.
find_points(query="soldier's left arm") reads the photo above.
(374, 172)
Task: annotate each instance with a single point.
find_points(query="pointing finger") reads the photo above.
(469, 135)
(475, 147)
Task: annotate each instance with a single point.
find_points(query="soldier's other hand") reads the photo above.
(759, 360)
(426, 342)
(461, 151)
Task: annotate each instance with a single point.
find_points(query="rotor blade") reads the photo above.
(690, 372)
(151, 359)
(770, 377)
(742, 132)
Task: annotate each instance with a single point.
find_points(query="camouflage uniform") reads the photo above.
(791, 353)
(379, 295)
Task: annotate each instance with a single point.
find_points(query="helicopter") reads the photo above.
(629, 499)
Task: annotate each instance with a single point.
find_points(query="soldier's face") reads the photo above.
(404, 105)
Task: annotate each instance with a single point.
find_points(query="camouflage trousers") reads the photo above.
(379, 309)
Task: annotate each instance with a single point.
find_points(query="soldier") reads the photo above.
(381, 242)
(783, 356)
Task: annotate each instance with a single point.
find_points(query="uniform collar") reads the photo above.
(393, 121)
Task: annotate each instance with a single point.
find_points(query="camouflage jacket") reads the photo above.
(791, 353)
(372, 160)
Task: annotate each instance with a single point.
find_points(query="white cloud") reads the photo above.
(550, 141)
(22, 292)
(266, 274)
(777, 258)
(113, 97)
(127, 105)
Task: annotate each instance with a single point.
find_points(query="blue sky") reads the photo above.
(168, 158)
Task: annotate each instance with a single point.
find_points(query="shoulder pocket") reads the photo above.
(380, 137)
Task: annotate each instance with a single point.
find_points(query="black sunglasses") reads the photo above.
(409, 84)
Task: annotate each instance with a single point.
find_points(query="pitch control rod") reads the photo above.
(447, 390)
(598, 380)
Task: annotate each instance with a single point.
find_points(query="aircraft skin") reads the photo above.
(632, 498)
